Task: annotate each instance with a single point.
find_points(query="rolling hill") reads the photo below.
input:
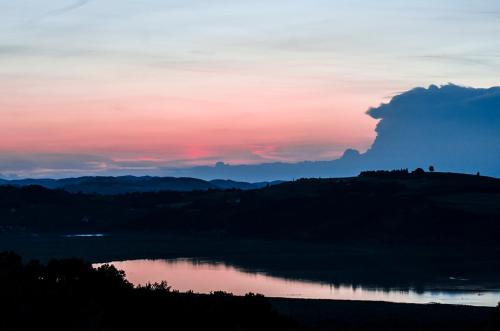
(393, 207)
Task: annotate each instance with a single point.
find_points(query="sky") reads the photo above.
(114, 86)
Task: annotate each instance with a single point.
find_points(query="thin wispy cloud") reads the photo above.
(73, 6)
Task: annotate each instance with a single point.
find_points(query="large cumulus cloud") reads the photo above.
(452, 127)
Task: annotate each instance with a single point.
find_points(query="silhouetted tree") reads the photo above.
(494, 324)
(431, 168)
(418, 172)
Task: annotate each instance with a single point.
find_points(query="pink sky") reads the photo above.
(188, 82)
(236, 123)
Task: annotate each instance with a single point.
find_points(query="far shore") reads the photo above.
(369, 264)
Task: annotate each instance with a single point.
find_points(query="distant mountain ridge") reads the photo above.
(130, 184)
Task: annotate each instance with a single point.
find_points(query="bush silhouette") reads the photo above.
(418, 172)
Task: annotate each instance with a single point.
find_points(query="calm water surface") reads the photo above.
(205, 277)
(84, 235)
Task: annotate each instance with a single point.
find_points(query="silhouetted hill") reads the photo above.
(129, 184)
(409, 207)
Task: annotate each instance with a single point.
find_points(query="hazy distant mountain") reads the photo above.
(128, 184)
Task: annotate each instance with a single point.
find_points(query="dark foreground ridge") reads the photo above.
(71, 295)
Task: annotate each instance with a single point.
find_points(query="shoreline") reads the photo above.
(320, 314)
(365, 264)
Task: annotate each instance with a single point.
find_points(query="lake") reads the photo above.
(207, 276)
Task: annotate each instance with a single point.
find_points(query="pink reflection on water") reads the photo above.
(206, 277)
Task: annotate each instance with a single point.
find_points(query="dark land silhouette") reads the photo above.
(388, 229)
(416, 207)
